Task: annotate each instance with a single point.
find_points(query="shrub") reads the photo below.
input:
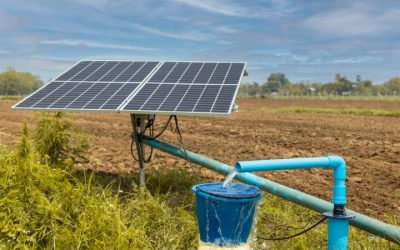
(56, 140)
(50, 208)
(24, 147)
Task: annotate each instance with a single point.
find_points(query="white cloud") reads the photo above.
(228, 8)
(350, 60)
(91, 44)
(355, 20)
(219, 7)
(192, 35)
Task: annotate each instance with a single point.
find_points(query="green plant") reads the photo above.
(43, 207)
(56, 140)
(24, 147)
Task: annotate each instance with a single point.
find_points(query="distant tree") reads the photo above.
(278, 83)
(13, 82)
(274, 82)
(393, 86)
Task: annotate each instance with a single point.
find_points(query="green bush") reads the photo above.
(56, 140)
(24, 143)
(50, 208)
(17, 83)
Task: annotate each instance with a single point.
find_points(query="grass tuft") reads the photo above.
(348, 111)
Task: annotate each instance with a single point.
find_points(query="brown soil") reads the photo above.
(370, 145)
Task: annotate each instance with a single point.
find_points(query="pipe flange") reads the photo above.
(347, 216)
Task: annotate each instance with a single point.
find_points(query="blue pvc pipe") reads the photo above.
(336, 162)
(338, 224)
(338, 235)
(366, 223)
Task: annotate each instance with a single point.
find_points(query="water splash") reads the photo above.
(221, 240)
(207, 222)
(229, 178)
(253, 233)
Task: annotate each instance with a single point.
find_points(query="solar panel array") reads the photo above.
(90, 85)
(141, 87)
(183, 87)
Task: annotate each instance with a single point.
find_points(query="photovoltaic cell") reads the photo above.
(39, 95)
(188, 88)
(90, 85)
(73, 71)
(141, 87)
(176, 73)
(162, 72)
(191, 73)
(205, 73)
(173, 99)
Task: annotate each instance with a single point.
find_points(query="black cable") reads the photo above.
(164, 128)
(150, 126)
(292, 227)
(180, 139)
(133, 155)
(294, 235)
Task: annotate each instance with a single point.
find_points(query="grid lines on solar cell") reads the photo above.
(170, 87)
(183, 87)
(91, 85)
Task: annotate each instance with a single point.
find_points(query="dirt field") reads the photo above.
(370, 145)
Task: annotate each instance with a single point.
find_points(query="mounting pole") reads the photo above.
(138, 125)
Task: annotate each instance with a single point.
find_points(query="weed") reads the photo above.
(44, 207)
(24, 147)
(351, 111)
(54, 141)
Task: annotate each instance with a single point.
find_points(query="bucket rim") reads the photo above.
(201, 193)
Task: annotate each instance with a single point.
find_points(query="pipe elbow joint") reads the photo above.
(336, 161)
(339, 175)
(339, 166)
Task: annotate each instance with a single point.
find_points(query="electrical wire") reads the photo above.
(149, 126)
(180, 139)
(294, 235)
(132, 141)
(289, 227)
(163, 128)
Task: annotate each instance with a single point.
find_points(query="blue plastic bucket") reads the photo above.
(225, 215)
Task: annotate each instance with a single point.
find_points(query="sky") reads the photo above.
(307, 40)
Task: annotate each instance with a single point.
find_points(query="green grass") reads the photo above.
(278, 218)
(11, 98)
(338, 98)
(344, 111)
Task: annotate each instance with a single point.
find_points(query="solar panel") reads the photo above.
(203, 88)
(90, 86)
(192, 88)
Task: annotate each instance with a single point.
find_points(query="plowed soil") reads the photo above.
(370, 145)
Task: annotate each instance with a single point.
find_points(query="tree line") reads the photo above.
(279, 84)
(13, 82)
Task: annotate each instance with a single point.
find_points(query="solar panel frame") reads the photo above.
(141, 85)
(178, 83)
(117, 109)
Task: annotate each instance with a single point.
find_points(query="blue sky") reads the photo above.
(307, 40)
